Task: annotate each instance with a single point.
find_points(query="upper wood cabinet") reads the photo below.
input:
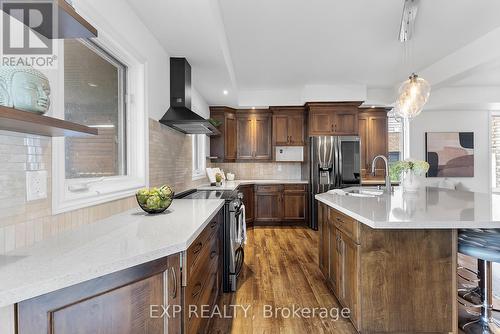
(333, 119)
(374, 137)
(254, 133)
(223, 147)
(288, 126)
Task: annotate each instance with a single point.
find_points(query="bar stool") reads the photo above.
(483, 244)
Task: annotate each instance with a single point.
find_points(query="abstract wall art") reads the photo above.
(450, 154)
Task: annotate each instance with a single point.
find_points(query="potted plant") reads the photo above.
(218, 180)
(408, 172)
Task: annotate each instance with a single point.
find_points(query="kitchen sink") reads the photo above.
(363, 191)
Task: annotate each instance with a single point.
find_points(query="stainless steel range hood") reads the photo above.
(180, 116)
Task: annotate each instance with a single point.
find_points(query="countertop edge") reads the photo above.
(26, 292)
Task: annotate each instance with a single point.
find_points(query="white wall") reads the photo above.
(119, 17)
(476, 121)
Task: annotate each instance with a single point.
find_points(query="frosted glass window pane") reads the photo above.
(94, 95)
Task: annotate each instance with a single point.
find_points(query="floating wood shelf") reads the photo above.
(27, 122)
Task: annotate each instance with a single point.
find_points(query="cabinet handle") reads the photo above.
(213, 224)
(173, 275)
(213, 254)
(196, 290)
(339, 220)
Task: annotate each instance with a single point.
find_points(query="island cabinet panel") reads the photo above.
(116, 304)
(333, 118)
(224, 146)
(324, 242)
(393, 281)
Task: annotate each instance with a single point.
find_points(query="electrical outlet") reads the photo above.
(36, 185)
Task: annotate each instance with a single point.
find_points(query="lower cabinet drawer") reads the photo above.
(197, 281)
(202, 297)
(268, 188)
(196, 253)
(295, 187)
(344, 223)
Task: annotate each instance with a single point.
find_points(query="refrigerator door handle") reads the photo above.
(339, 147)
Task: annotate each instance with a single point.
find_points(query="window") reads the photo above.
(398, 131)
(396, 139)
(94, 95)
(495, 151)
(199, 157)
(101, 85)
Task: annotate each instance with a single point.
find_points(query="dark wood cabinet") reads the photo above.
(333, 118)
(281, 203)
(374, 137)
(223, 147)
(254, 136)
(288, 126)
(295, 202)
(245, 137)
(130, 301)
(357, 260)
(203, 278)
(324, 241)
(118, 303)
(263, 137)
(248, 199)
(268, 203)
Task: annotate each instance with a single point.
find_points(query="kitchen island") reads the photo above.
(392, 259)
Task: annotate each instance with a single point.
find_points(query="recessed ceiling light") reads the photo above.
(225, 92)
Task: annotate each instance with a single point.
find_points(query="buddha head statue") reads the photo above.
(24, 88)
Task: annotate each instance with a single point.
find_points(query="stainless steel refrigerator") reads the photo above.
(334, 162)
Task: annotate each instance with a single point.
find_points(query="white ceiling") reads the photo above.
(275, 45)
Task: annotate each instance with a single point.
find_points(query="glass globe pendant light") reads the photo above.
(413, 95)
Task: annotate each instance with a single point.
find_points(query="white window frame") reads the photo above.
(199, 156)
(116, 187)
(493, 185)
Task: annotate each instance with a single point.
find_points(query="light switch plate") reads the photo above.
(36, 185)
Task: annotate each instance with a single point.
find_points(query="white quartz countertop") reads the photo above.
(430, 208)
(232, 185)
(90, 251)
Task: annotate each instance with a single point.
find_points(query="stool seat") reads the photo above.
(484, 245)
(480, 244)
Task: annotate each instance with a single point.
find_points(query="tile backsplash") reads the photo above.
(262, 171)
(23, 223)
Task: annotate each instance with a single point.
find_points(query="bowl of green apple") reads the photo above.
(155, 200)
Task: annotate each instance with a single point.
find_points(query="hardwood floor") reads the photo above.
(281, 270)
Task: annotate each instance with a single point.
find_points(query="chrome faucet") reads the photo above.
(388, 185)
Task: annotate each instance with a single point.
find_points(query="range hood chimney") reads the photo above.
(180, 116)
